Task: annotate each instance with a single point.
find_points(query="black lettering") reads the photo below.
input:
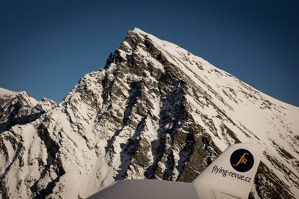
(214, 169)
(233, 175)
(225, 172)
(220, 170)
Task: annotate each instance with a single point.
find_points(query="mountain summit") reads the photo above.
(155, 111)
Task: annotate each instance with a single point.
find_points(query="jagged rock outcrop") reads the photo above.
(20, 108)
(154, 111)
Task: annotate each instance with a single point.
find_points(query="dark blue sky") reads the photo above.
(47, 45)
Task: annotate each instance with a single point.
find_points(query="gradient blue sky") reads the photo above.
(47, 45)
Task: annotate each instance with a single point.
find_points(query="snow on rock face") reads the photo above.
(155, 111)
(20, 108)
(46, 104)
(6, 93)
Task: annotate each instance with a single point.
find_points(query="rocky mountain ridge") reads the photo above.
(20, 108)
(155, 111)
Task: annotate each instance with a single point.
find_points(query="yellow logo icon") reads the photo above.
(242, 160)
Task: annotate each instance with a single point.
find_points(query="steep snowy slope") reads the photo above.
(155, 111)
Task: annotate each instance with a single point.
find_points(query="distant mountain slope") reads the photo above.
(154, 111)
(20, 108)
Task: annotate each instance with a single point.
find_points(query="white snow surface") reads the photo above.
(4, 92)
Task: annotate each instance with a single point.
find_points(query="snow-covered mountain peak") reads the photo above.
(138, 31)
(46, 104)
(155, 111)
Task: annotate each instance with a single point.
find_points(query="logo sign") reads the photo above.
(242, 160)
